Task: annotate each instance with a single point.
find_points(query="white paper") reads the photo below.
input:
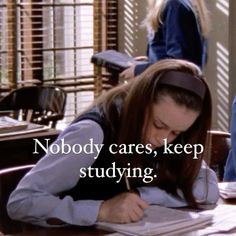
(27, 128)
(224, 220)
(7, 124)
(161, 221)
(227, 189)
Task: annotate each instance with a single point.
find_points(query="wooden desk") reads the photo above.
(67, 231)
(227, 201)
(18, 150)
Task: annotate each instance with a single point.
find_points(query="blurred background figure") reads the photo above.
(230, 167)
(175, 29)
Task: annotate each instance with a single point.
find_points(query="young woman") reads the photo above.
(144, 136)
(176, 29)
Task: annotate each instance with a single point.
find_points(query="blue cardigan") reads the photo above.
(230, 167)
(179, 36)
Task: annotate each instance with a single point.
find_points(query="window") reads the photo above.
(53, 40)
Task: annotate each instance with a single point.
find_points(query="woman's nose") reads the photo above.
(161, 135)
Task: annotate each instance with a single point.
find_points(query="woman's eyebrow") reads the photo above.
(163, 123)
(166, 126)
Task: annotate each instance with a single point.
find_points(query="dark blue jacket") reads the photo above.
(230, 167)
(179, 36)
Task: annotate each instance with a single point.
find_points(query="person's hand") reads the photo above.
(128, 73)
(123, 208)
(141, 58)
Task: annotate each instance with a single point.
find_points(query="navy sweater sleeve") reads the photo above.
(230, 167)
(182, 34)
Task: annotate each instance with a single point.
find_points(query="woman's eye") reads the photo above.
(158, 126)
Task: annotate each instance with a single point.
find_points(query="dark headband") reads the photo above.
(185, 81)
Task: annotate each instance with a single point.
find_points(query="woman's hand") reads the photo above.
(141, 58)
(123, 208)
(128, 73)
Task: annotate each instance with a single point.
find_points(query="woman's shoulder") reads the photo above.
(178, 8)
(179, 4)
(82, 129)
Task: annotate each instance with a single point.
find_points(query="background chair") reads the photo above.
(38, 104)
(9, 178)
(220, 146)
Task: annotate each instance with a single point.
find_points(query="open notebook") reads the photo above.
(161, 221)
(220, 220)
(8, 124)
(11, 127)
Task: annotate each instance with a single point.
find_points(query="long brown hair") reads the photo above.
(136, 99)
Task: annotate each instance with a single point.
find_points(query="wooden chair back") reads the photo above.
(38, 104)
(220, 146)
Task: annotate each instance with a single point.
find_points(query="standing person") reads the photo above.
(170, 104)
(176, 29)
(230, 167)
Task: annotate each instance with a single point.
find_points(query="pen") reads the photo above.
(127, 183)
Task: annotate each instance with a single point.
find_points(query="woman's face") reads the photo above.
(167, 121)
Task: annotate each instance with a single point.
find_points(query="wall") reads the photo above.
(217, 70)
(221, 67)
(132, 38)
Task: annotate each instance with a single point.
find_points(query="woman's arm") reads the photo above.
(179, 36)
(205, 190)
(35, 199)
(182, 33)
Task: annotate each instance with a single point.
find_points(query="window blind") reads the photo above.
(52, 41)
